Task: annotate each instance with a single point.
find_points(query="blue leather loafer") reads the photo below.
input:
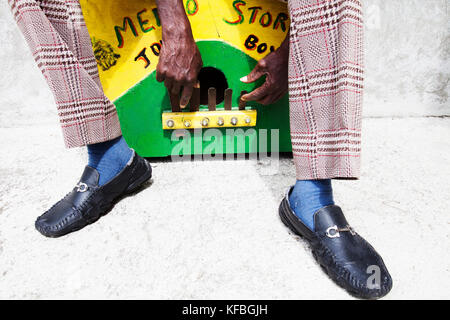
(348, 259)
(88, 201)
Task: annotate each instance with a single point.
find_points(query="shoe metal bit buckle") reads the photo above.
(334, 232)
(82, 187)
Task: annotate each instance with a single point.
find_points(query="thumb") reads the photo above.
(256, 73)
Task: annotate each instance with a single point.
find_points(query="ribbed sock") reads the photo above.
(109, 158)
(308, 196)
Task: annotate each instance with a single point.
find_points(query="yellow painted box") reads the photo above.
(232, 36)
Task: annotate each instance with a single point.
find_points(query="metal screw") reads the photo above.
(220, 122)
(187, 123)
(234, 121)
(170, 123)
(205, 122)
(248, 120)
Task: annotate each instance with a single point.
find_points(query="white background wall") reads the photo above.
(408, 64)
(408, 57)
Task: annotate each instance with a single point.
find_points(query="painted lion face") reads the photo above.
(104, 54)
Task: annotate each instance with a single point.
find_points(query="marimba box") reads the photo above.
(231, 35)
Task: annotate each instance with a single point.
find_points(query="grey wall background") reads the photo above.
(407, 62)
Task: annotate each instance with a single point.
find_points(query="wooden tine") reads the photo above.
(228, 98)
(195, 99)
(212, 99)
(175, 102)
(242, 103)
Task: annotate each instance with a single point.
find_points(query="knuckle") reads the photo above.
(190, 79)
(162, 69)
(262, 63)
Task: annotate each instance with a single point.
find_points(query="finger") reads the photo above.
(272, 97)
(280, 96)
(160, 76)
(186, 95)
(175, 102)
(174, 98)
(257, 94)
(176, 87)
(256, 73)
(266, 100)
(168, 83)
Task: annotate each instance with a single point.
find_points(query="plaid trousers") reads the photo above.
(325, 79)
(326, 87)
(60, 43)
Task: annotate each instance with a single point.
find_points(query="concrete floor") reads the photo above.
(210, 229)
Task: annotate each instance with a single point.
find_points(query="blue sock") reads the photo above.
(308, 196)
(109, 158)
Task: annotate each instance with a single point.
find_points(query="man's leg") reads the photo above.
(60, 44)
(325, 89)
(326, 83)
(58, 38)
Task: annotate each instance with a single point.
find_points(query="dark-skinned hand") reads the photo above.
(180, 60)
(275, 67)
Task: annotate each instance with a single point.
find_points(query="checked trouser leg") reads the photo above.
(59, 41)
(326, 87)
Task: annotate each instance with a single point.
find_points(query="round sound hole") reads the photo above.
(210, 77)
